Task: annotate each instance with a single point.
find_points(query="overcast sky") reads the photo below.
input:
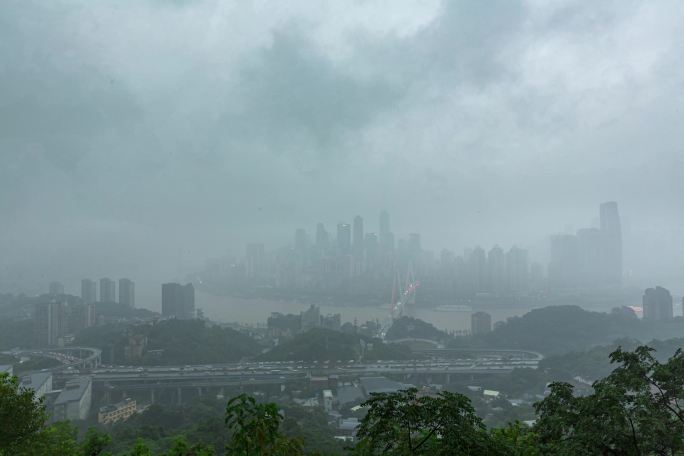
(140, 137)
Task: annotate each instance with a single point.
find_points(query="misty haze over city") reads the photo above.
(222, 219)
(140, 139)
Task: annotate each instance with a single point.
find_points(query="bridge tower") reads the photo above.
(403, 293)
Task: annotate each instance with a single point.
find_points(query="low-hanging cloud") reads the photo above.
(169, 130)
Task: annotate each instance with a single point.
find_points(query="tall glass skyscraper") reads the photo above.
(611, 232)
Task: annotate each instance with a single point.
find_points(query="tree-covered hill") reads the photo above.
(562, 329)
(321, 344)
(413, 328)
(171, 342)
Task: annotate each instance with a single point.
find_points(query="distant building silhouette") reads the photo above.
(300, 240)
(591, 258)
(657, 304)
(127, 293)
(358, 237)
(386, 236)
(477, 270)
(372, 249)
(611, 231)
(255, 261)
(310, 318)
(564, 264)
(88, 291)
(480, 323)
(107, 290)
(517, 270)
(496, 270)
(415, 250)
(344, 237)
(90, 315)
(178, 300)
(322, 238)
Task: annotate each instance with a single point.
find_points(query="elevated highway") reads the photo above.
(450, 362)
(438, 365)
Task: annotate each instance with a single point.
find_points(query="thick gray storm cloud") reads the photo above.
(138, 138)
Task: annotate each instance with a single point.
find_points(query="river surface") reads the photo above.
(255, 311)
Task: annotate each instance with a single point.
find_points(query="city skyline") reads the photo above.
(500, 145)
(221, 216)
(320, 232)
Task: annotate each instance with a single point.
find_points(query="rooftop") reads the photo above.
(118, 405)
(73, 390)
(35, 381)
(381, 385)
(349, 393)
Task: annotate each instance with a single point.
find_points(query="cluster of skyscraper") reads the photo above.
(325, 261)
(108, 291)
(352, 259)
(496, 272)
(59, 315)
(590, 258)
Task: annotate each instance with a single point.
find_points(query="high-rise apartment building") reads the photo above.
(255, 261)
(90, 315)
(107, 290)
(480, 323)
(590, 257)
(496, 270)
(477, 270)
(178, 301)
(564, 265)
(127, 293)
(49, 322)
(611, 230)
(517, 270)
(657, 304)
(593, 257)
(372, 249)
(358, 237)
(300, 240)
(386, 236)
(88, 291)
(322, 237)
(344, 237)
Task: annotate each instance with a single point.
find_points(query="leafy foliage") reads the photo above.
(320, 344)
(560, 329)
(406, 423)
(636, 410)
(182, 342)
(21, 415)
(407, 327)
(255, 429)
(633, 411)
